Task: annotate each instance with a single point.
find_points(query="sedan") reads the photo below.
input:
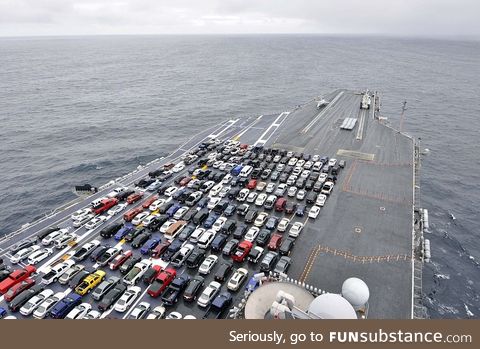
(237, 279)
(283, 225)
(140, 311)
(301, 194)
(282, 265)
(208, 264)
(209, 294)
(295, 229)
(127, 299)
(261, 199)
(314, 211)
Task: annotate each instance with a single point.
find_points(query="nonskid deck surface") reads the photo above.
(364, 230)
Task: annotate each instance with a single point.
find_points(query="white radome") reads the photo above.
(355, 291)
(332, 306)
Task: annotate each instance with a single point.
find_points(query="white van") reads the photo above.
(246, 171)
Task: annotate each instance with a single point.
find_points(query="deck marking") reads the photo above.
(361, 124)
(275, 124)
(237, 137)
(319, 115)
(135, 304)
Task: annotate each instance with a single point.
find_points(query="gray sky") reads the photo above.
(400, 17)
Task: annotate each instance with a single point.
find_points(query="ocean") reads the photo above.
(77, 110)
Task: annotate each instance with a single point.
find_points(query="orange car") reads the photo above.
(134, 197)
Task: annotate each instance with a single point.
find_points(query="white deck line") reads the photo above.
(237, 137)
(230, 124)
(275, 124)
(314, 121)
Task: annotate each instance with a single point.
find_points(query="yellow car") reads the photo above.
(90, 282)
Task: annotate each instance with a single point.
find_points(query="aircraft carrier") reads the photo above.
(370, 227)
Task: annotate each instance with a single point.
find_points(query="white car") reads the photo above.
(283, 224)
(116, 191)
(332, 162)
(50, 238)
(192, 183)
(228, 177)
(117, 209)
(291, 179)
(314, 211)
(261, 219)
(224, 191)
(196, 234)
(170, 191)
(140, 311)
(308, 165)
(292, 161)
(40, 255)
(156, 204)
(296, 171)
(79, 311)
(315, 158)
(92, 315)
(23, 253)
(300, 163)
(252, 234)
(83, 219)
(208, 264)
(206, 239)
(178, 167)
(80, 213)
(261, 198)
(295, 230)
(167, 225)
(270, 188)
(215, 189)
(237, 279)
(327, 188)
(301, 194)
(65, 240)
(242, 195)
(213, 202)
(139, 218)
(157, 313)
(209, 294)
(292, 191)
(180, 212)
(33, 303)
(219, 223)
(147, 221)
(136, 273)
(174, 315)
(321, 200)
(56, 271)
(252, 197)
(44, 308)
(95, 222)
(127, 299)
(322, 178)
(305, 174)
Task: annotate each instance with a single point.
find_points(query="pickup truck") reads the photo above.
(173, 291)
(219, 305)
(15, 277)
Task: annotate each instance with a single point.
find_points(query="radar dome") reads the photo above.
(332, 306)
(355, 291)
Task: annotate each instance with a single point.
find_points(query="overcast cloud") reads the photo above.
(78, 17)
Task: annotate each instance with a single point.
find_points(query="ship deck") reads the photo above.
(364, 230)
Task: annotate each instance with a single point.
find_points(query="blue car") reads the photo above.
(210, 220)
(149, 246)
(203, 202)
(236, 170)
(252, 285)
(62, 308)
(171, 211)
(124, 231)
(177, 194)
(3, 313)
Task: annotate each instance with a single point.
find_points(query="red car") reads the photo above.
(168, 166)
(243, 146)
(160, 249)
(16, 277)
(242, 251)
(18, 288)
(132, 198)
(104, 205)
(149, 201)
(120, 259)
(275, 242)
(128, 216)
(252, 184)
(163, 279)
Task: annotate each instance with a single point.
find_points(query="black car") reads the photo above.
(124, 195)
(4, 273)
(23, 297)
(263, 237)
(254, 255)
(250, 216)
(223, 271)
(229, 226)
(172, 249)
(219, 241)
(283, 177)
(269, 261)
(186, 232)
(165, 206)
(157, 222)
(143, 183)
(282, 265)
(286, 246)
(240, 231)
(150, 275)
(242, 210)
(44, 233)
(200, 216)
(290, 207)
(196, 258)
(78, 278)
(309, 184)
(300, 183)
(189, 214)
(193, 289)
(111, 297)
(172, 293)
(141, 239)
(111, 230)
(162, 189)
(230, 210)
(100, 250)
(233, 193)
(311, 197)
(125, 267)
(220, 207)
